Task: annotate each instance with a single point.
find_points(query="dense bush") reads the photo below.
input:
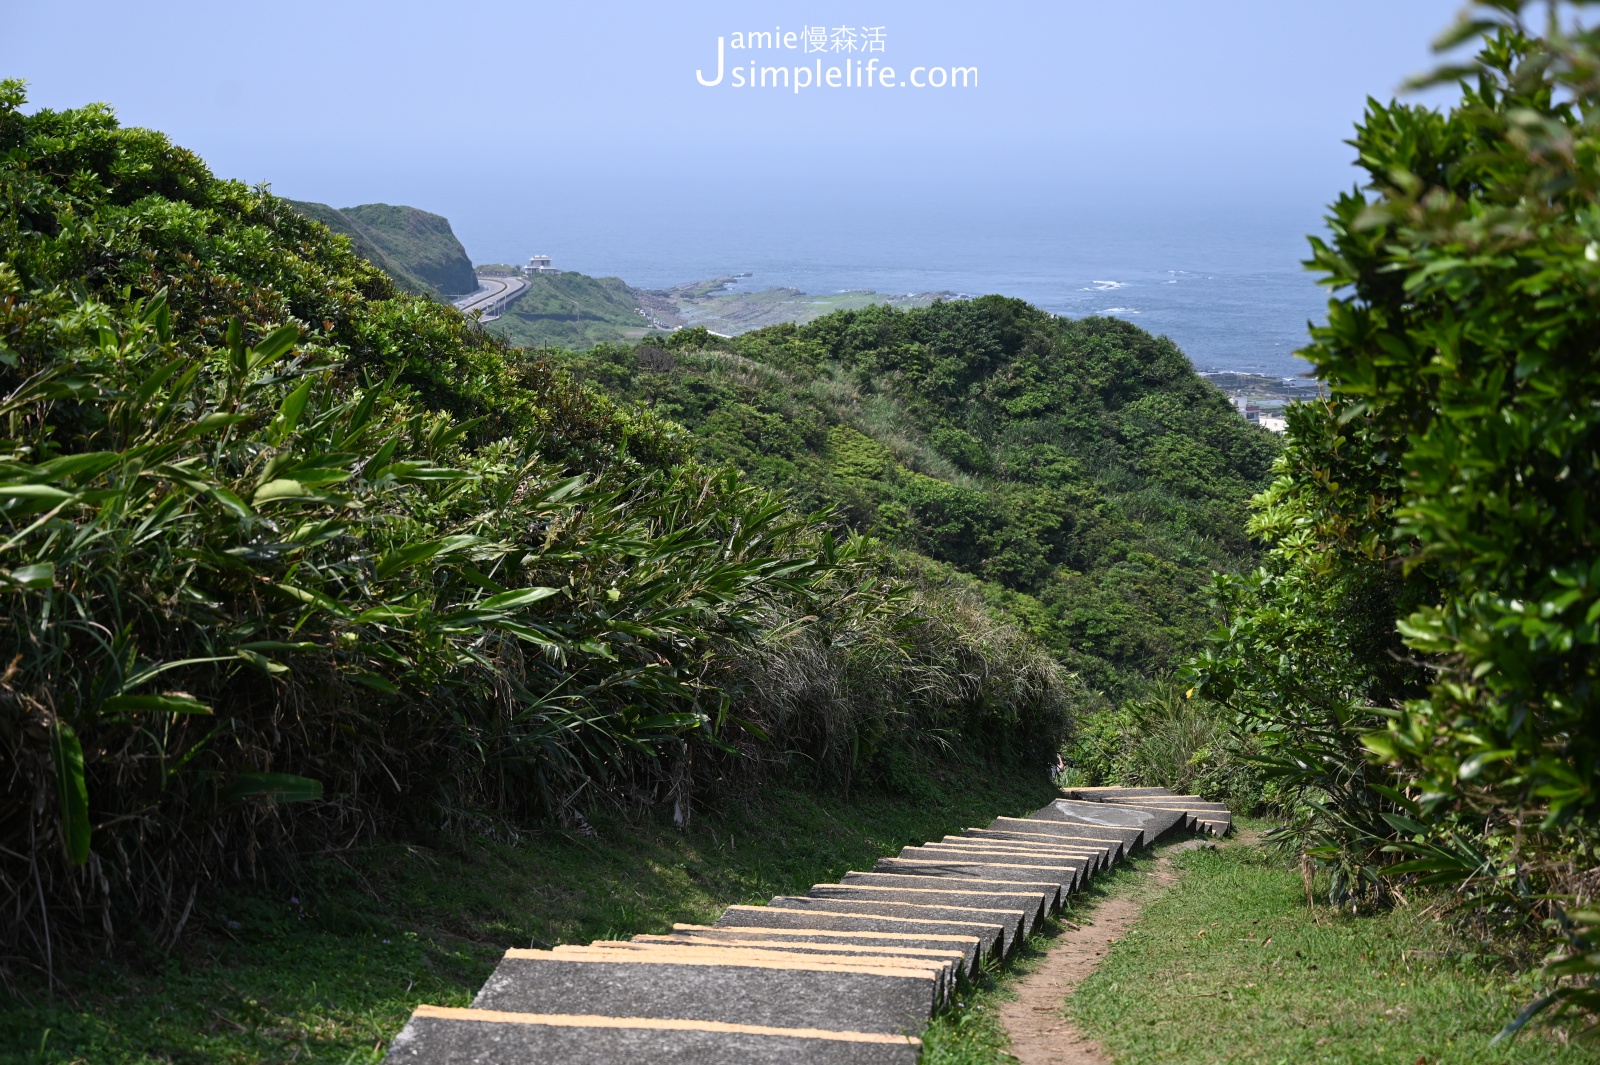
(1164, 736)
(285, 553)
(1420, 652)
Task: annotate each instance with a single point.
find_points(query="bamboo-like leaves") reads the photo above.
(72, 790)
(271, 787)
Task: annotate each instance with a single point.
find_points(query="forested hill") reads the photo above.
(1080, 469)
(417, 249)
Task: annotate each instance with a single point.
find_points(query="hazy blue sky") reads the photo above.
(538, 124)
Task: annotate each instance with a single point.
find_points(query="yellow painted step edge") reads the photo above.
(583, 1020)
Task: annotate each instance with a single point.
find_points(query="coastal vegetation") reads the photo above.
(572, 310)
(1416, 659)
(292, 557)
(1076, 474)
(351, 642)
(418, 250)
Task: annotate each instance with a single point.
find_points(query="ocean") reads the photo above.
(1227, 285)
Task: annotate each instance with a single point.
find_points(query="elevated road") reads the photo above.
(493, 296)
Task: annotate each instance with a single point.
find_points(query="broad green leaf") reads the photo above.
(306, 595)
(155, 704)
(375, 682)
(260, 661)
(84, 464)
(1405, 824)
(516, 598)
(283, 488)
(1474, 765)
(294, 404)
(72, 791)
(271, 787)
(39, 575)
(277, 343)
(45, 494)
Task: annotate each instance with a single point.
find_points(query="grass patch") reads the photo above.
(327, 967)
(1230, 966)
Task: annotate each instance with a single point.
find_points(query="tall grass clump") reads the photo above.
(1166, 735)
(287, 556)
(918, 670)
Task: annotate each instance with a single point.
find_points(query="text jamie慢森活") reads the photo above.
(843, 71)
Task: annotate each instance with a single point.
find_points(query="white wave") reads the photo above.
(1119, 310)
(1104, 286)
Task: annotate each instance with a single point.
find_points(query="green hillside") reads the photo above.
(572, 310)
(1079, 469)
(419, 250)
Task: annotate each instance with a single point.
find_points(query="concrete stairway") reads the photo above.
(1212, 817)
(847, 973)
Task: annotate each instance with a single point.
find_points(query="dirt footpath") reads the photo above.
(1035, 1020)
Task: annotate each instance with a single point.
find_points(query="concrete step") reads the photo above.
(849, 973)
(956, 958)
(1132, 838)
(1115, 849)
(971, 947)
(789, 993)
(1156, 824)
(437, 1035)
(1193, 805)
(1011, 920)
(1100, 794)
(1080, 865)
(668, 946)
(1065, 878)
(1108, 849)
(1213, 817)
(991, 934)
(1091, 861)
(1034, 905)
(946, 969)
(1054, 896)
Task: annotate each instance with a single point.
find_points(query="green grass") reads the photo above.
(1327, 988)
(327, 966)
(1230, 966)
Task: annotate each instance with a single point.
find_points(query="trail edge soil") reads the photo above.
(1036, 1020)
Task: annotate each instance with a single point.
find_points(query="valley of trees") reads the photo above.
(1077, 473)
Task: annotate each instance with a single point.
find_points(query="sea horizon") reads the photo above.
(1230, 291)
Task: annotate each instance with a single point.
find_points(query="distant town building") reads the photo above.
(539, 264)
(1251, 411)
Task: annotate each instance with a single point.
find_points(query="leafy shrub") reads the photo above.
(1423, 647)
